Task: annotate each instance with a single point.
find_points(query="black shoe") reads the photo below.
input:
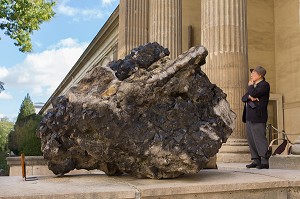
(263, 166)
(252, 165)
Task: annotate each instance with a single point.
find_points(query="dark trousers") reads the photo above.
(258, 143)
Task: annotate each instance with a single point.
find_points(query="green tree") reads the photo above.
(23, 138)
(27, 140)
(4, 170)
(19, 18)
(26, 109)
(5, 127)
(12, 143)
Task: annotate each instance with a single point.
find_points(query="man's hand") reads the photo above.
(250, 83)
(252, 98)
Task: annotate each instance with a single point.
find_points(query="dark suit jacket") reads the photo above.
(257, 111)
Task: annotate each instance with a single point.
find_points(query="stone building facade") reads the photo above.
(239, 34)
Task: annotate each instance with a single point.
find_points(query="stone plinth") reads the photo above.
(233, 184)
(295, 149)
(285, 162)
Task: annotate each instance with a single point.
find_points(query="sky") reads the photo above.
(56, 47)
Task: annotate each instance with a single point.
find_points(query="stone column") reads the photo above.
(133, 25)
(223, 24)
(165, 23)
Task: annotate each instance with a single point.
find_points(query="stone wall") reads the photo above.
(37, 166)
(274, 42)
(287, 40)
(191, 16)
(261, 44)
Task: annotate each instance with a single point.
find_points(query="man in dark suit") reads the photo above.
(255, 116)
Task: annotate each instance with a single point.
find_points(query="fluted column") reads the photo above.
(225, 36)
(165, 24)
(133, 25)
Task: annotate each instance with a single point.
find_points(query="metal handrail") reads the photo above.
(283, 132)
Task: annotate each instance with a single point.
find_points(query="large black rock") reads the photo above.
(163, 120)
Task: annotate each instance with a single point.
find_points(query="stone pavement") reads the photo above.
(230, 180)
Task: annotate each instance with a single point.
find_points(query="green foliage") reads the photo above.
(5, 127)
(12, 142)
(26, 109)
(19, 18)
(3, 164)
(23, 138)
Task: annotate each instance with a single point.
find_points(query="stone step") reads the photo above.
(210, 183)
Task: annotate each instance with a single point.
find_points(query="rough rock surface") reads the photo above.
(161, 121)
(140, 57)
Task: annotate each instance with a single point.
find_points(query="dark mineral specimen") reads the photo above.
(163, 120)
(140, 57)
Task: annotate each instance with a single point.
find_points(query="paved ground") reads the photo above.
(231, 180)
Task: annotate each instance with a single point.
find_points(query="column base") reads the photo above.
(212, 164)
(295, 149)
(234, 150)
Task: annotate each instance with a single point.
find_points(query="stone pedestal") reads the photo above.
(295, 150)
(212, 184)
(224, 34)
(165, 24)
(291, 162)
